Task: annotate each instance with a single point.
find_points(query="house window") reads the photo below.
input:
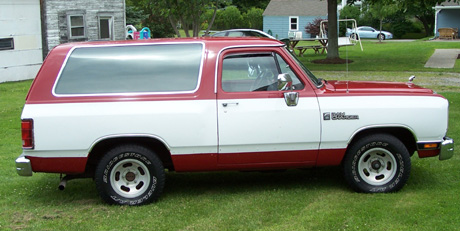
(6, 44)
(76, 23)
(105, 27)
(293, 23)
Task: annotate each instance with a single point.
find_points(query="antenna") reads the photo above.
(346, 53)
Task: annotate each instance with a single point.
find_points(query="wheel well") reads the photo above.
(103, 146)
(403, 134)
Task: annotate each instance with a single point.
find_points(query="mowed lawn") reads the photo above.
(312, 199)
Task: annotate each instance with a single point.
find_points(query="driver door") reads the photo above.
(255, 124)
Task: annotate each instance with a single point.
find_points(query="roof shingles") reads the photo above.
(296, 8)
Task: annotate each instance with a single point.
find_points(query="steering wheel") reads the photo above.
(263, 81)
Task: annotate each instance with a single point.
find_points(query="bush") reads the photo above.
(254, 18)
(232, 18)
(400, 26)
(159, 26)
(313, 28)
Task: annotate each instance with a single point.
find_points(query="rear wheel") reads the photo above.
(130, 175)
(377, 163)
(354, 36)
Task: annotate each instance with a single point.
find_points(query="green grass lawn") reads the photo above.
(313, 199)
(385, 56)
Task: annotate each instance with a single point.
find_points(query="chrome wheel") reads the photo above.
(377, 163)
(130, 174)
(377, 166)
(130, 178)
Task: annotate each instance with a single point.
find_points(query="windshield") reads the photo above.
(310, 75)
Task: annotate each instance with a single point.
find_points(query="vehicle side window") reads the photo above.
(131, 69)
(253, 34)
(285, 68)
(235, 34)
(254, 72)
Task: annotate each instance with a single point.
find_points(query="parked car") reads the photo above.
(121, 112)
(368, 32)
(242, 33)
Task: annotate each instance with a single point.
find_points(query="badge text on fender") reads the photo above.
(339, 116)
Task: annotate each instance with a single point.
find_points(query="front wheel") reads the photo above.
(377, 163)
(381, 37)
(130, 175)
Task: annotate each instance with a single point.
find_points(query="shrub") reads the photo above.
(254, 18)
(232, 18)
(313, 28)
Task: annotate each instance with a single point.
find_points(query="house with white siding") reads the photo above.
(31, 28)
(20, 39)
(282, 17)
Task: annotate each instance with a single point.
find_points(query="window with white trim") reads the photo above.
(293, 23)
(109, 69)
(76, 23)
(105, 24)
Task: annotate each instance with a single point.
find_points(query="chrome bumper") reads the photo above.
(23, 166)
(447, 149)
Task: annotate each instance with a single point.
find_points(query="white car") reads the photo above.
(368, 32)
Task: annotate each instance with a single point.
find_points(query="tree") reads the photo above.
(184, 13)
(151, 17)
(232, 18)
(134, 15)
(333, 43)
(245, 5)
(350, 12)
(420, 9)
(382, 9)
(254, 18)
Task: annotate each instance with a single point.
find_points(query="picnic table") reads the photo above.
(323, 45)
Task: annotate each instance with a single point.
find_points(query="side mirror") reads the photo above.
(285, 84)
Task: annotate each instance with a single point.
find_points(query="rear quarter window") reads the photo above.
(131, 69)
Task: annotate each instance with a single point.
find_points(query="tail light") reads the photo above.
(27, 129)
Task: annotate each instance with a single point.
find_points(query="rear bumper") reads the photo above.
(23, 166)
(447, 149)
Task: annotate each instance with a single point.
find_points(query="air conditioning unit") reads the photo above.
(298, 34)
(295, 34)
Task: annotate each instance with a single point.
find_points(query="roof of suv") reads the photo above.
(214, 41)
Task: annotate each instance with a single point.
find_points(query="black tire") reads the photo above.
(130, 175)
(377, 163)
(354, 36)
(381, 36)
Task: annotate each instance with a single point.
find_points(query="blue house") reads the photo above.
(447, 15)
(284, 16)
